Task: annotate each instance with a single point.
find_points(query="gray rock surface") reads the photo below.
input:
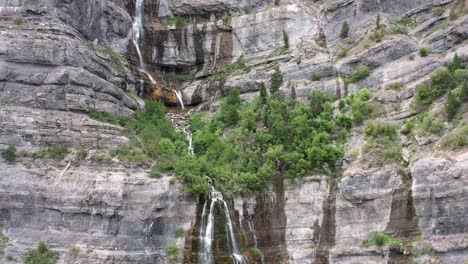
(440, 197)
(92, 214)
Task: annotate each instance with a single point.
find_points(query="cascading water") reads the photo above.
(207, 231)
(178, 95)
(138, 31)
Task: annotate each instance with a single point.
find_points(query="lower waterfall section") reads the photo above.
(216, 238)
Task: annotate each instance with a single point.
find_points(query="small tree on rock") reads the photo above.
(344, 30)
(276, 81)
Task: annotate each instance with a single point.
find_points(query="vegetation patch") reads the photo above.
(173, 251)
(9, 153)
(360, 73)
(380, 239)
(41, 255)
(456, 139)
(382, 143)
(56, 151)
(178, 21)
(179, 232)
(441, 82)
(19, 21)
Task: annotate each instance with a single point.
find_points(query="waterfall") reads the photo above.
(137, 28)
(178, 95)
(205, 254)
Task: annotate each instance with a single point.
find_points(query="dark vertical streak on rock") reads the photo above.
(270, 223)
(327, 230)
(403, 220)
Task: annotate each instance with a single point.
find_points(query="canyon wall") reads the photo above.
(61, 59)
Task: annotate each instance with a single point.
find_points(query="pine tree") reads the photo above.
(464, 92)
(377, 22)
(263, 94)
(286, 40)
(451, 105)
(344, 30)
(276, 81)
(455, 65)
(293, 95)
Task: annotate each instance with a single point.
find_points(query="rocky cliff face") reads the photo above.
(60, 59)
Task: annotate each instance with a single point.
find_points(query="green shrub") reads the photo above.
(342, 53)
(173, 251)
(226, 19)
(360, 73)
(81, 154)
(276, 81)
(451, 105)
(58, 151)
(277, 2)
(378, 35)
(230, 113)
(423, 51)
(456, 139)
(9, 153)
(19, 21)
(255, 251)
(360, 107)
(378, 128)
(429, 125)
(315, 77)
(179, 232)
(455, 64)
(408, 127)
(464, 92)
(41, 255)
(381, 239)
(461, 75)
(441, 81)
(178, 21)
(344, 30)
(395, 86)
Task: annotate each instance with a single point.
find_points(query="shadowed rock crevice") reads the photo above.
(327, 230)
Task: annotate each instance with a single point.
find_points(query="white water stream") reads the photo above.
(205, 254)
(137, 28)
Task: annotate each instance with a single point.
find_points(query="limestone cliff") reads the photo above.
(60, 60)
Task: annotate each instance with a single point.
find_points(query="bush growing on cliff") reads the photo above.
(423, 51)
(344, 30)
(342, 53)
(178, 21)
(41, 255)
(19, 21)
(173, 251)
(381, 239)
(360, 73)
(451, 105)
(441, 82)
(9, 153)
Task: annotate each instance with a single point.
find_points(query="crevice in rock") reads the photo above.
(270, 223)
(326, 239)
(403, 222)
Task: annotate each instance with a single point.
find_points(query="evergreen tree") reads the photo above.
(451, 105)
(455, 65)
(263, 94)
(230, 108)
(293, 97)
(344, 30)
(276, 81)
(286, 39)
(377, 22)
(464, 92)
